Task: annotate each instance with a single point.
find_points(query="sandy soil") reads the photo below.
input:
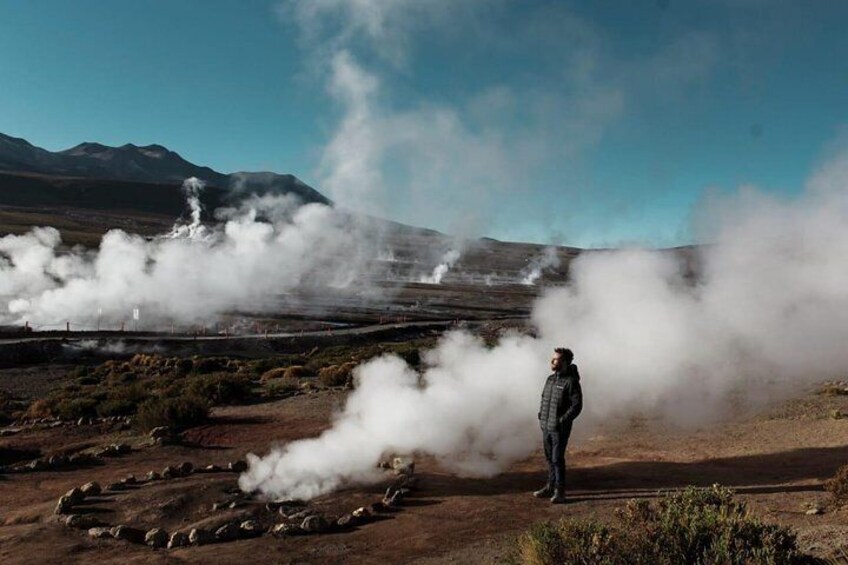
(777, 461)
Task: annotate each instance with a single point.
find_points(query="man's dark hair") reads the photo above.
(566, 353)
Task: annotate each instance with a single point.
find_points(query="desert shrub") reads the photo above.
(178, 412)
(271, 374)
(39, 408)
(205, 365)
(336, 375)
(183, 366)
(116, 407)
(282, 386)
(838, 486)
(692, 526)
(87, 380)
(74, 408)
(217, 389)
(291, 372)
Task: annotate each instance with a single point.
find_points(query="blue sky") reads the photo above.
(583, 123)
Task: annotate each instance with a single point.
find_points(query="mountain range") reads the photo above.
(149, 164)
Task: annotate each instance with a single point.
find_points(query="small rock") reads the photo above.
(361, 513)
(314, 525)
(227, 532)
(127, 533)
(63, 506)
(153, 476)
(81, 422)
(347, 521)
(75, 496)
(403, 466)
(121, 448)
(82, 521)
(250, 528)
(156, 538)
(185, 468)
(178, 539)
(286, 530)
(213, 469)
(115, 487)
(815, 511)
(297, 515)
(100, 532)
(169, 472)
(130, 480)
(199, 536)
(160, 432)
(91, 489)
(239, 466)
(37, 465)
(235, 504)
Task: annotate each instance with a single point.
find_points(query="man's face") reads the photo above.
(556, 361)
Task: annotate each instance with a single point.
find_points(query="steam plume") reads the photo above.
(190, 275)
(447, 261)
(768, 314)
(548, 259)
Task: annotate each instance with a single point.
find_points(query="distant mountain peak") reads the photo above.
(152, 163)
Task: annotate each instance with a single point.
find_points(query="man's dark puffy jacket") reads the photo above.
(562, 399)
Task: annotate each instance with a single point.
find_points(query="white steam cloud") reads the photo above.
(192, 187)
(447, 261)
(548, 259)
(768, 313)
(189, 275)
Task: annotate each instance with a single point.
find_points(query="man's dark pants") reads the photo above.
(555, 442)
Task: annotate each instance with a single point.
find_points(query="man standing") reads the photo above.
(562, 401)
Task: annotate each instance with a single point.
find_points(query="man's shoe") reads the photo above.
(559, 496)
(544, 492)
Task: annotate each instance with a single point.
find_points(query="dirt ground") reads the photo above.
(777, 462)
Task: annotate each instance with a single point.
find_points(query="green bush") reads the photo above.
(838, 486)
(704, 526)
(282, 386)
(176, 412)
(218, 389)
(74, 408)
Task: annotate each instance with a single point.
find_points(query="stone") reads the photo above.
(82, 521)
(239, 466)
(121, 448)
(185, 468)
(169, 472)
(286, 530)
(361, 513)
(314, 525)
(63, 506)
(250, 529)
(156, 538)
(116, 487)
(153, 476)
(347, 521)
(75, 496)
(91, 489)
(213, 469)
(160, 432)
(815, 511)
(392, 500)
(200, 536)
(37, 465)
(129, 480)
(403, 466)
(228, 532)
(128, 533)
(178, 539)
(100, 532)
(297, 515)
